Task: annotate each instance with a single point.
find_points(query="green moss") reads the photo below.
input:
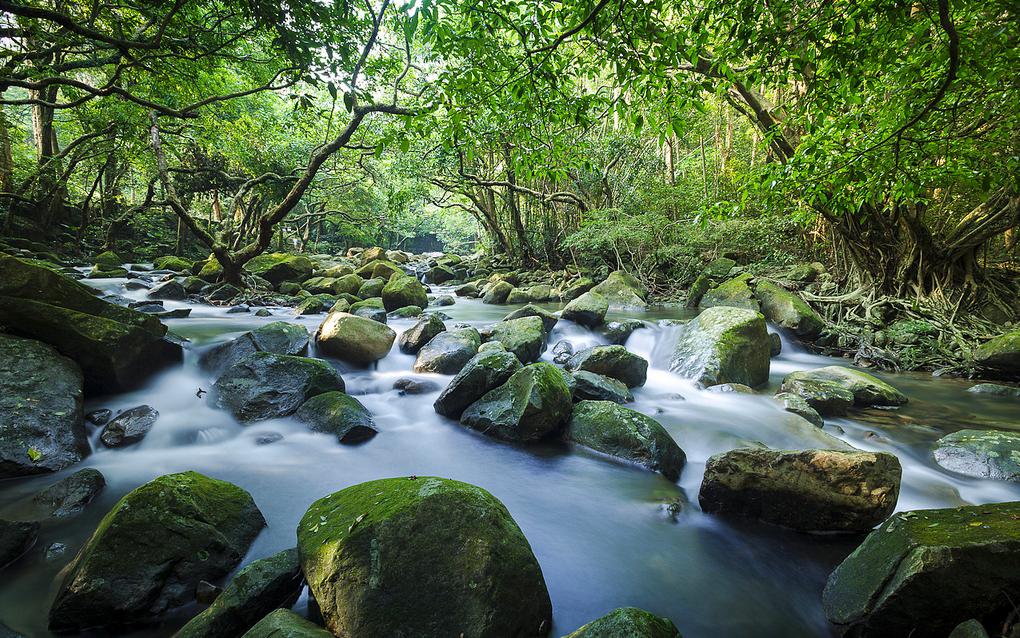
(404, 291)
(108, 260)
(628, 622)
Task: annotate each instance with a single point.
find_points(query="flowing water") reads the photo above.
(606, 534)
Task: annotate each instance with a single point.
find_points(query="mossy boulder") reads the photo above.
(371, 288)
(734, 293)
(484, 372)
(173, 263)
(421, 556)
(354, 339)
(612, 429)
(102, 272)
(589, 386)
(339, 414)
(315, 285)
(277, 268)
(549, 320)
(524, 337)
(628, 622)
(469, 290)
(788, 310)
(440, 274)
(407, 312)
(697, 291)
(615, 362)
(518, 295)
(617, 332)
(808, 490)
(259, 588)
(990, 454)
(404, 291)
(117, 348)
(348, 284)
(283, 623)
(414, 338)
(312, 305)
(208, 270)
(623, 290)
(719, 268)
(533, 404)
(448, 351)
(588, 310)
(371, 308)
(152, 549)
(921, 573)
(723, 345)
(108, 260)
(41, 423)
(833, 389)
(1001, 353)
(497, 293)
(278, 337)
(267, 385)
(381, 268)
(796, 404)
(576, 289)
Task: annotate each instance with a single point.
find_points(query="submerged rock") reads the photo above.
(596, 387)
(421, 556)
(622, 290)
(151, 550)
(41, 424)
(628, 622)
(524, 337)
(587, 310)
(340, 414)
(723, 345)
(808, 490)
(71, 494)
(788, 310)
(267, 385)
(354, 339)
(612, 429)
(995, 389)
(278, 337)
(16, 538)
(448, 351)
(128, 427)
(484, 372)
(533, 404)
(615, 362)
(833, 389)
(414, 338)
(924, 572)
(991, 454)
(404, 291)
(256, 590)
(117, 348)
(283, 623)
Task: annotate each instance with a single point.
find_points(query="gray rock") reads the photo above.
(833, 389)
(723, 345)
(617, 332)
(589, 386)
(278, 337)
(587, 310)
(266, 385)
(448, 351)
(798, 405)
(41, 424)
(484, 372)
(611, 361)
(71, 494)
(99, 417)
(407, 385)
(612, 429)
(443, 300)
(549, 320)
(995, 389)
(170, 289)
(524, 337)
(354, 339)
(990, 454)
(128, 427)
(497, 293)
(340, 414)
(414, 338)
(622, 290)
(562, 351)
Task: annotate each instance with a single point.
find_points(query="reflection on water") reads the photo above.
(600, 528)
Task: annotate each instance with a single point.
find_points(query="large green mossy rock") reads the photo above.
(576, 289)
(588, 310)
(152, 549)
(338, 414)
(404, 291)
(924, 572)
(277, 268)
(549, 320)
(41, 424)
(723, 345)
(788, 310)
(283, 623)
(1001, 353)
(108, 259)
(734, 293)
(533, 404)
(525, 337)
(278, 337)
(209, 270)
(354, 339)
(612, 429)
(623, 291)
(448, 352)
(808, 490)
(833, 389)
(371, 288)
(628, 622)
(174, 263)
(990, 454)
(497, 293)
(267, 385)
(615, 362)
(421, 556)
(589, 386)
(256, 590)
(484, 372)
(379, 268)
(117, 348)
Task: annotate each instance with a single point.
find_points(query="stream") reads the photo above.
(603, 531)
